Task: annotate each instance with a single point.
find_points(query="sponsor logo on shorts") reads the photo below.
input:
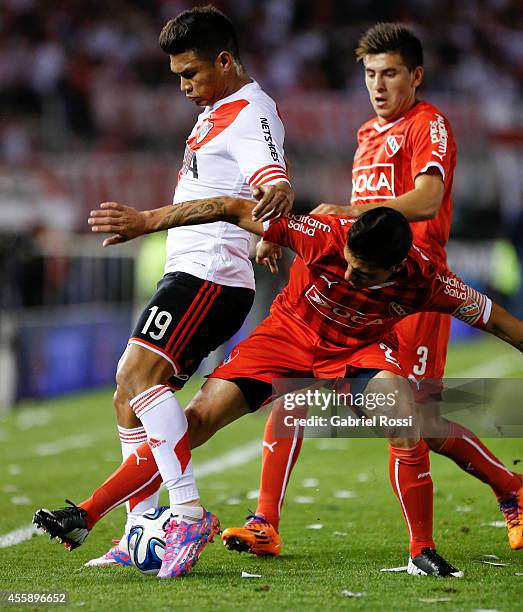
(393, 145)
(374, 182)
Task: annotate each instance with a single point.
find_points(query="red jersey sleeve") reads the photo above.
(432, 144)
(307, 235)
(451, 295)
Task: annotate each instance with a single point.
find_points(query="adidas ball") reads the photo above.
(146, 540)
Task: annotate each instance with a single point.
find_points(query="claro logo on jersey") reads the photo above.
(339, 313)
(374, 182)
(266, 129)
(306, 225)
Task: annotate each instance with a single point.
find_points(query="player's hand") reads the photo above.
(267, 254)
(336, 209)
(274, 201)
(123, 222)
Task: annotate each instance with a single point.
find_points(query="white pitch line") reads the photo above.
(238, 456)
(49, 449)
(234, 458)
(19, 535)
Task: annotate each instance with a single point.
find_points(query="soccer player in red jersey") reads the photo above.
(406, 159)
(351, 283)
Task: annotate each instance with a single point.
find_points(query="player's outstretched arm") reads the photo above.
(418, 204)
(126, 223)
(505, 326)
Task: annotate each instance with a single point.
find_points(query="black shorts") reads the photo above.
(187, 318)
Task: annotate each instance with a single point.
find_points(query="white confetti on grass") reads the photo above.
(13, 469)
(310, 483)
(332, 444)
(302, 499)
(9, 488)
(21, 500)
(340, 534)
(233, 501)
(28, 419)
(247, 575)
(498, 524)
(463, 508)
(354, 593)
(254, 494)
(493, 563)
(344, 494)
(431, 600)
(314, 526)
(362, 477)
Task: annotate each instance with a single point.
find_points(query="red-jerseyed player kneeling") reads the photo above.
(343, 269)
(406, 159)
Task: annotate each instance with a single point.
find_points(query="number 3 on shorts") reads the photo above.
(161, 319)
(421, 367)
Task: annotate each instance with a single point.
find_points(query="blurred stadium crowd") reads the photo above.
(56, 56)
(90, 112)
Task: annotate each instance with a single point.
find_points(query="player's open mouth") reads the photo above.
(380, 101)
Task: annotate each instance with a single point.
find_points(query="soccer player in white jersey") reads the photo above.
(235, 148)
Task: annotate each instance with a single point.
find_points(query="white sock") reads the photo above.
(166, 425)
(188, 514)
(130, 440)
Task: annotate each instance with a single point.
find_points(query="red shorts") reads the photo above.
(423, 340)
(284, 347)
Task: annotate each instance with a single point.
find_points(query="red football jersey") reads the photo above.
(390, 156)
(319, 295)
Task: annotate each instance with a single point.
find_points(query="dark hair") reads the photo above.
(389, 38)
(381, 237)
(203, 29)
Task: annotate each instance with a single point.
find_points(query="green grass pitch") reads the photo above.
(64, 448)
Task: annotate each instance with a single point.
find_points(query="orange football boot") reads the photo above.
(257, 536)
(513, 512)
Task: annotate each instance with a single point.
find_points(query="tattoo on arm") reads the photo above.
(193, 213)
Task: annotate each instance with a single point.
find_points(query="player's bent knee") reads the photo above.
(140, 369)
(125, 416)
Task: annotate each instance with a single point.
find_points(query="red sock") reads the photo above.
(409, 471)
(137, 476)
(278, 459)
(464, 448)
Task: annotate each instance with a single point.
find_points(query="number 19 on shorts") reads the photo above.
(160, 322)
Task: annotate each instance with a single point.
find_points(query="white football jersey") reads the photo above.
(236, 143)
